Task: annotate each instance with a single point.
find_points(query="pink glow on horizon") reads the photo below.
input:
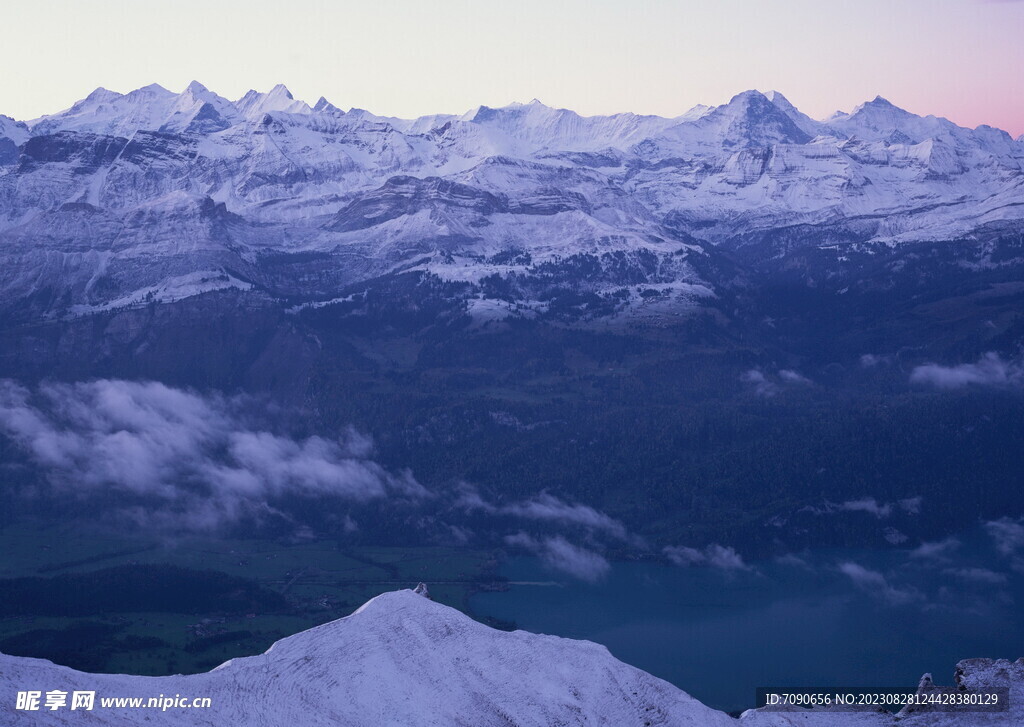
(962, 59)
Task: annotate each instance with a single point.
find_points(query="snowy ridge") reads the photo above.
(402, 659)
(270, 176)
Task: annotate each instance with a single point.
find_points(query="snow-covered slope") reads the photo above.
(446, 194)
(407, 661)
(400, 660)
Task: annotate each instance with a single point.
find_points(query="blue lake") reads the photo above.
(721, 634)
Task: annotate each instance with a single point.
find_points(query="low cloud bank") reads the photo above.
(560, 554)
(180, 460)
(869, 505)
(1007, 536)
(545, 507)
(937, 550)
(713, 556)
(871, 360)
(978, 575)
(792, 377)
(990, 370)
(768, 385)
(194, 454)
(877, 586)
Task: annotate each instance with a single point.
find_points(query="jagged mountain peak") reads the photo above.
(806, 124)
(195, 91)
(17, 131)
(101, 95)
(695, 112)
(879, 107)
(993, 131)
(750, 119)
(112, 113)
(318, 179)
(280, 90)
(882, 120)
(485, 114)
(198, 110)
(873, 120)
(152, 89)
(324, 106)
(255, 104)
(749, 103)
(881, 102)
(751, 94)
(196, 88)
(779, 100)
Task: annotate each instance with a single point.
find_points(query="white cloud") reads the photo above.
(870, 360)
(938, 550)
(195, 454)
(713, 556)
(793, 560)
(876, 585)
(1008, 538)
(768, 385)
(977, 575)
(792, 377)
(894, 536)
(989, 370)
(549, 507)
(545, 507)
(911, 505)
(762, 386)
(869, 505)
(560, 554)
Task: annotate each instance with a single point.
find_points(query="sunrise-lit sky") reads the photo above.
(963, 59)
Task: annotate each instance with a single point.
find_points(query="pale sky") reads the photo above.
(963, 59)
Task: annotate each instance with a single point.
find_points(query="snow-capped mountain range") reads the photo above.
(403, 659)
(152, 195)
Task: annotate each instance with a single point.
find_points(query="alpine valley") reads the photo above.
(525, 299)
(299, 357)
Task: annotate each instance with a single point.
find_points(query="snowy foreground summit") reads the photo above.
(403, 659)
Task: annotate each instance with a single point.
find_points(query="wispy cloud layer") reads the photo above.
(183, 460)
(876, 585)
(195, 454)
(871, 360)
(560, 554)
(937, 550)
(545, 507)
(1007, 536)
(990, 370)
(768, 385)
(869, 505)
(714, 556)
(978, 575)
